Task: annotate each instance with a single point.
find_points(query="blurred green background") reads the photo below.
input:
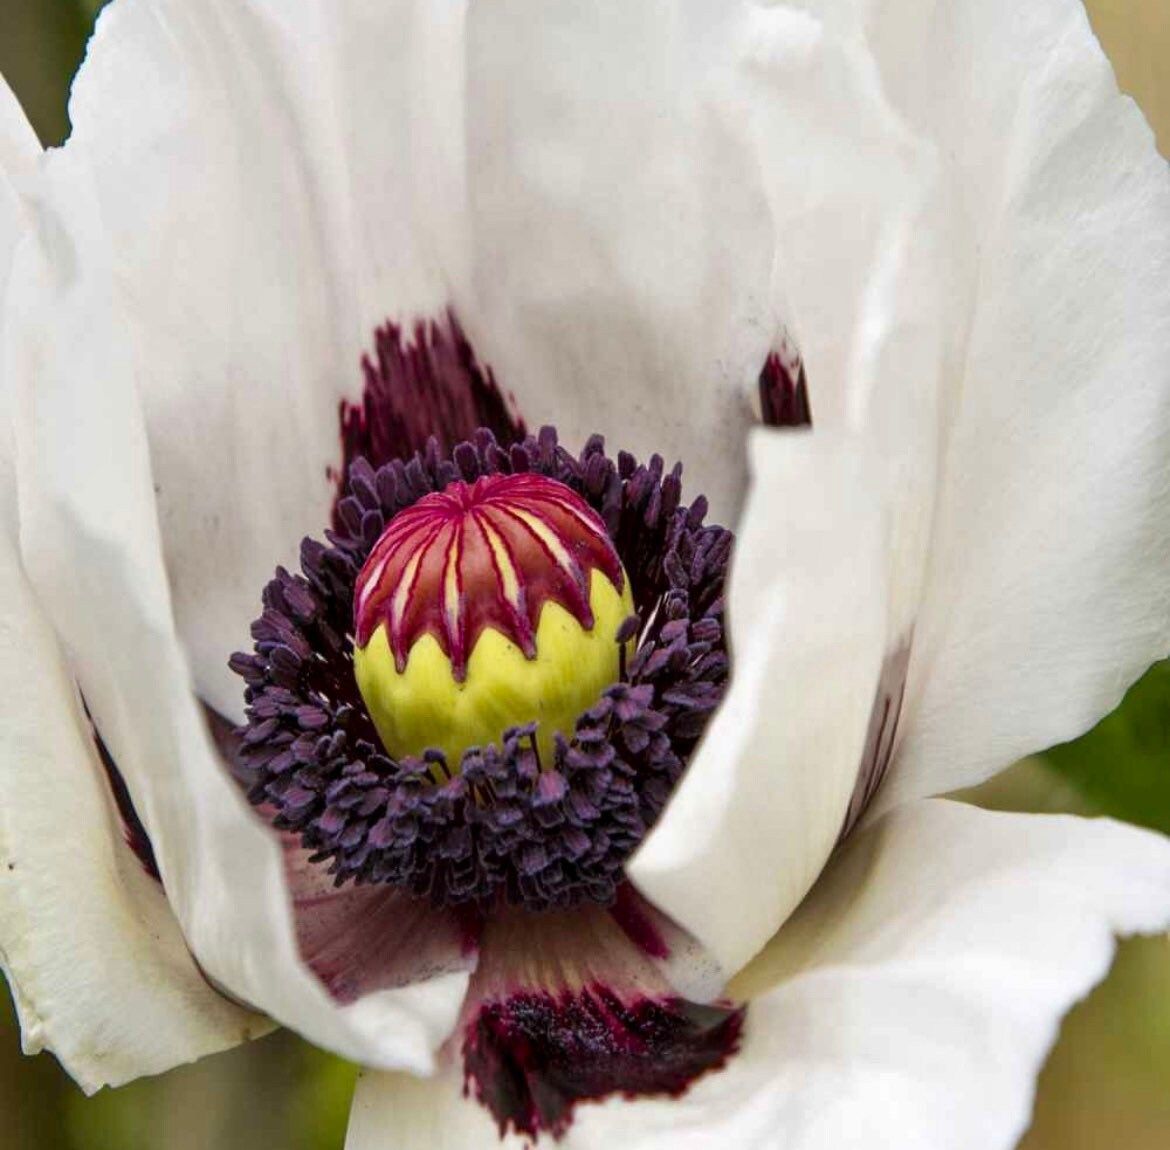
(1106, 1083)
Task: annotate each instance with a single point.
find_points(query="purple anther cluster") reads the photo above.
(501, 824)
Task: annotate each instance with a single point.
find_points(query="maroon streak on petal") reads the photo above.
(881, 737)
(132, 829)
(536, 1055)
(417, 385)
(631, 912)
(784, 389)
(361, 939)
(564, 1009)
(677, 955)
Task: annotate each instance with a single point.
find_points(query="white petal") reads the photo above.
(830, 556)
(91, 545)
(1050, 560)
(95, 959)
(258, 202)
(408, 1113)
(621, 249)
(920, 988)
(1034, 591)
(99, 969)
(761, 805)
(300, 173)
(19, 153)
(19, 150)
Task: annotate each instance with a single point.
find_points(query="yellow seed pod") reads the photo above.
(487, 606)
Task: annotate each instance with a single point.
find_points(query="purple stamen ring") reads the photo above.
(507, 821)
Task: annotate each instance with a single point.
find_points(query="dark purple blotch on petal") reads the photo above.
(531, 1057)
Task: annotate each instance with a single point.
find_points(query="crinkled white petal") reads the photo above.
(831, 552)
(276, 180)
(762, 803)
(97, 965)
(251, 167)
(91, 545)
(1049, 581)
(870, 254)
(991, 319)
(910, 1002)
(619, 250)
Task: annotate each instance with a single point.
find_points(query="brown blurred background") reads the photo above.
(1106, 1083)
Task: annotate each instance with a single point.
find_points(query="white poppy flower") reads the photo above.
(633, 209)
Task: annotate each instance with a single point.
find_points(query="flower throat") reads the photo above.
(526, 774)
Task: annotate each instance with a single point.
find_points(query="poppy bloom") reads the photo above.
(575, 794)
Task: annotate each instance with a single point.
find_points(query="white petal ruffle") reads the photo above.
(761, 805)
(208, 138)
(910, 1002)
(831, 553)
(619, 253)
(91, 545)
(96, 962)
(991, 322)
(1047, 591)
(277, 180)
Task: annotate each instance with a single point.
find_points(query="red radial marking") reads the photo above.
(486, 554)
(882, 737)
(361, 939)
(784, 390)
(420, 383)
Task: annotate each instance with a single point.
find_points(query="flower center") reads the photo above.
(486, 606)
(485, 685)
